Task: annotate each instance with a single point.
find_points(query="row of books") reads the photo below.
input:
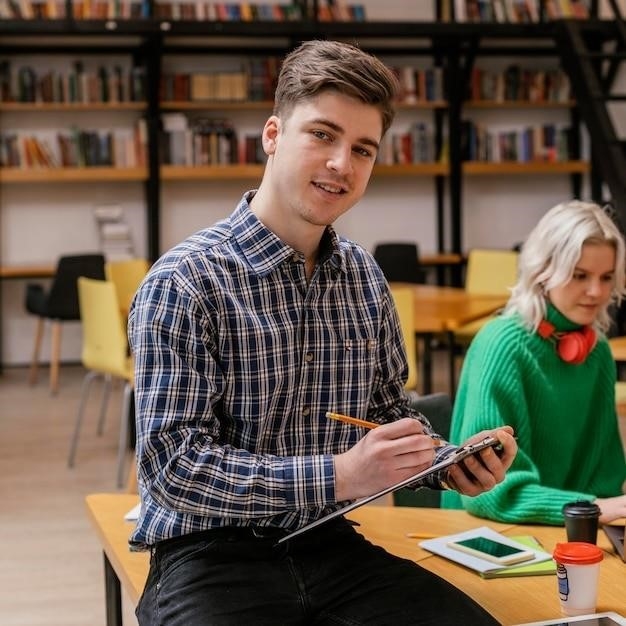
(227, 11)
(518, 84)
(548, 142)
(420, 85)
(32, 9)
(201, 142)
(120, 148)
(519, 11)
(327, 10)
(76, 85)
(217, 86)
(416, 145)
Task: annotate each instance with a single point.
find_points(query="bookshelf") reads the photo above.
(160, 45)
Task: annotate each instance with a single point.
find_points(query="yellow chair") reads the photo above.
(126, 275)
(104, 353)
(404, 301)
(489, 273)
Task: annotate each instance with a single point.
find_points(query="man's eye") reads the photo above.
(320, 134)
(363, 152)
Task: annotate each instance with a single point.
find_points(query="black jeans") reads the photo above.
(330, 575)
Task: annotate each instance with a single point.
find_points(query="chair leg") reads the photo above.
(84, 392)
(55, 355)
(106, 391)
(123, 441)
(34, 363)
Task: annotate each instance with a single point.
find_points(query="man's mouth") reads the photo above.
(330, 188)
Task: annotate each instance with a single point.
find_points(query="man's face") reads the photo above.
(322, 156)
(589, 290)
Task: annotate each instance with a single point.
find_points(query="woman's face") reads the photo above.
(589, 290)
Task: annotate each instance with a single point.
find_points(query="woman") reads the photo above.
(544, 367)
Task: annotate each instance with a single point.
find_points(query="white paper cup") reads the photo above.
(577, 572)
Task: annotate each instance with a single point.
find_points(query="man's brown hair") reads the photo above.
(317, 65)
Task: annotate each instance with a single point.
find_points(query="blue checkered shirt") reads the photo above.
(237, 359)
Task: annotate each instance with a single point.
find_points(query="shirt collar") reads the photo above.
(265, 251)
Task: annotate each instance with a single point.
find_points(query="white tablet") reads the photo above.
(597, 619)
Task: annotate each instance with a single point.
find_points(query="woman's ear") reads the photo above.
(271, 130)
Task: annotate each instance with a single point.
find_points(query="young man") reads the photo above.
(244, 335)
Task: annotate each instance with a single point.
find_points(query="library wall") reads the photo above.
(40, 222)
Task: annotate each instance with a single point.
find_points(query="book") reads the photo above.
(484, 568)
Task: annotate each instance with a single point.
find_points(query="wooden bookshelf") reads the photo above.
(479, 168)
(73, 175)
(242, 172)
(517, 104)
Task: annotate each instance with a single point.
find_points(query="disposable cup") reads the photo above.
(577, 572)
(581, 521)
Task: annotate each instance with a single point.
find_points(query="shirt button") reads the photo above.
(306, 412)
(308, 357)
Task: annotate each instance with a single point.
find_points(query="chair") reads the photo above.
(399, 262)
(126, 275)
(437, 407)
(404, 300)
(104, 353)
(59, 304)
(489, 273)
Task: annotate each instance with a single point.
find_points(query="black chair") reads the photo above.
(59, 304)
(399, 262)
(437, 407)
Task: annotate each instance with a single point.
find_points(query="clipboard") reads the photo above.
(462, 453)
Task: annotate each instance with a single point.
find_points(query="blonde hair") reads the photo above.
(551, 252)
(317, 66)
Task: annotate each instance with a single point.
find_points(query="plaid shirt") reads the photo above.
(237, 359)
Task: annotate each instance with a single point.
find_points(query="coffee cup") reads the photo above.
(581, 521)
(577, 573)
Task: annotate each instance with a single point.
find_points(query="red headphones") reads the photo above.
(573, 347)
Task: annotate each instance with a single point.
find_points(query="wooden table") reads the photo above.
(510, 600)
(444, 310)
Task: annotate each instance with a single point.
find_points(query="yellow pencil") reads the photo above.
(351, 420)
(421, 536)
(355, 421)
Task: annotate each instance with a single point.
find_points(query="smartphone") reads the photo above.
(492, 550)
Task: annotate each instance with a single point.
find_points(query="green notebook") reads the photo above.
(536, 569)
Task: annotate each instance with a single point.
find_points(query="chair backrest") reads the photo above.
(126, 275)
(62, 301)
(491, 272)
(399, 262)
(437, 407)
(104, 341)
(405, 303)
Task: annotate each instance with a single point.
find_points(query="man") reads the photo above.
(244, 335)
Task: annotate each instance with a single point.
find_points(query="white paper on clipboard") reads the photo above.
(457, 456)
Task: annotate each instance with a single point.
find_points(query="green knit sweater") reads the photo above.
(563, 415)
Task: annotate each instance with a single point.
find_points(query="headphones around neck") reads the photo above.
(574, 346)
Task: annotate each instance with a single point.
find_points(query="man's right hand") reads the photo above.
(386, 455)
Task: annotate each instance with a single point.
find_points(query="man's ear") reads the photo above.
(271, 130)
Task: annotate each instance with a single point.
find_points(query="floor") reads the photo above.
(51, 571)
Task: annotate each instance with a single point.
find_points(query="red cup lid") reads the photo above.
(577, 553)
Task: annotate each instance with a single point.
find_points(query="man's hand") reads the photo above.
(384, 456)
(482, 474)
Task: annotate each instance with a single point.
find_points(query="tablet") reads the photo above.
(597, 619)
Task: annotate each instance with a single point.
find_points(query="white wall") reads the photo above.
(38, 223)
